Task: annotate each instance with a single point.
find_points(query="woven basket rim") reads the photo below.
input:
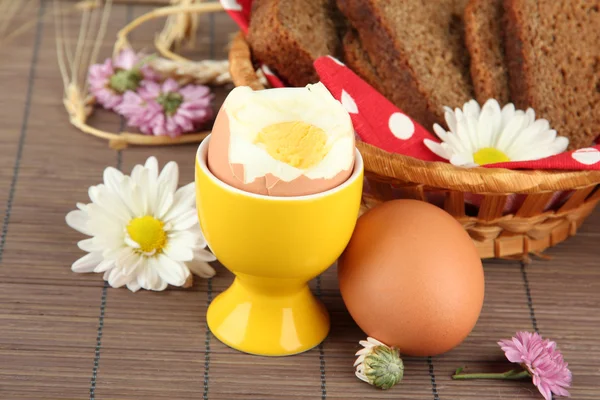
(392, 166)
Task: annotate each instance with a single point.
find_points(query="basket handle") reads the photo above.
(196, 8)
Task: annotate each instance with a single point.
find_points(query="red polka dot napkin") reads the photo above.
(378, 122)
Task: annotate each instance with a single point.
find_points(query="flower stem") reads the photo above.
(508, 375)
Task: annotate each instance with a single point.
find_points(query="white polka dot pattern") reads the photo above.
(349, 103)
(587, 156)
(267, 70)
(335, 60)
(401, 126)
(232, 5)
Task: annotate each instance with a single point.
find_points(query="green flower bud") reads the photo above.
(379, 364)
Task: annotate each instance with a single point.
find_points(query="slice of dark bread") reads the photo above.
(553, 58)
(288, 35)
(358, 61)
(484, 38)
(418, 50)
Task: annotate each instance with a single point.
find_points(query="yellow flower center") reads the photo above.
(148, 232)
(489, 155)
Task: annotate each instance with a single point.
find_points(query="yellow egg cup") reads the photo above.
(274, 246)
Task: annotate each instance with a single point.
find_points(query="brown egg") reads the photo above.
(411, 277)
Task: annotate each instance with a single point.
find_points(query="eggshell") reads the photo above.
(411, 277)
(233, 174)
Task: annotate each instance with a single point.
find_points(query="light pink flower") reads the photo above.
(110, 80)
(542, 359)
(166, 109)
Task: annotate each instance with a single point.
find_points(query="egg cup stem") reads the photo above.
(268, 316)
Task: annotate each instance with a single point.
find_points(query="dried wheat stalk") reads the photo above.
(10, 10)
(207, 72)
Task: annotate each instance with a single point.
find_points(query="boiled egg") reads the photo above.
(411, 277)
(282, 141)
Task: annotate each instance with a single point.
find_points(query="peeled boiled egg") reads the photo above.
(411, 277)
(282, 141)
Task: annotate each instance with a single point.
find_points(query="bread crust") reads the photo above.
(358, 61)
(485, 42)
(273, 43)
(378, 41)
(519, 86)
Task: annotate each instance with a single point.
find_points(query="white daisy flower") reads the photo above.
(378, 364)
(143, 229)
(490, 135)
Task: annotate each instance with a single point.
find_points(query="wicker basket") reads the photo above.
(476, 197)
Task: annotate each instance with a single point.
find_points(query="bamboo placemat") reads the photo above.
(69, 336)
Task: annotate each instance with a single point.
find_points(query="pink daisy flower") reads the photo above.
(542, 360)
(110, 80)
(166, 108)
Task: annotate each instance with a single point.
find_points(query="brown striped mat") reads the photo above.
(69, 336)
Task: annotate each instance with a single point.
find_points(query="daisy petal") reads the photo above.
(168, 178)
(116, 278)
(173, 272)
(131, 243)
(113, 205)
(450, 118)
(184, 221)
(362, 377)
(560, 144)
(190, 238)
(133, 285)
(87, 263)
(461, 160)
(148, 276)
(104, 266)
(89, 245)
(78, 220)
(204, 255)
(164, 202)
(112, 179)
(201, 269)
(185, 195)
(178, 253)
(152, 166)
(376, 342)
(436, 148)
(162, 285)
(510, 132)
(136, 173)
(128, 260)
(440, 132)
(485, 130)
(359, 360)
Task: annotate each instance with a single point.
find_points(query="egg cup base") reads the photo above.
(281, 322)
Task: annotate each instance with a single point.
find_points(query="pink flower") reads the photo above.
(110, 80)
(166, 109)
(542, 359)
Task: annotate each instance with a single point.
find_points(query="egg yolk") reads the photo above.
(295, 143)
